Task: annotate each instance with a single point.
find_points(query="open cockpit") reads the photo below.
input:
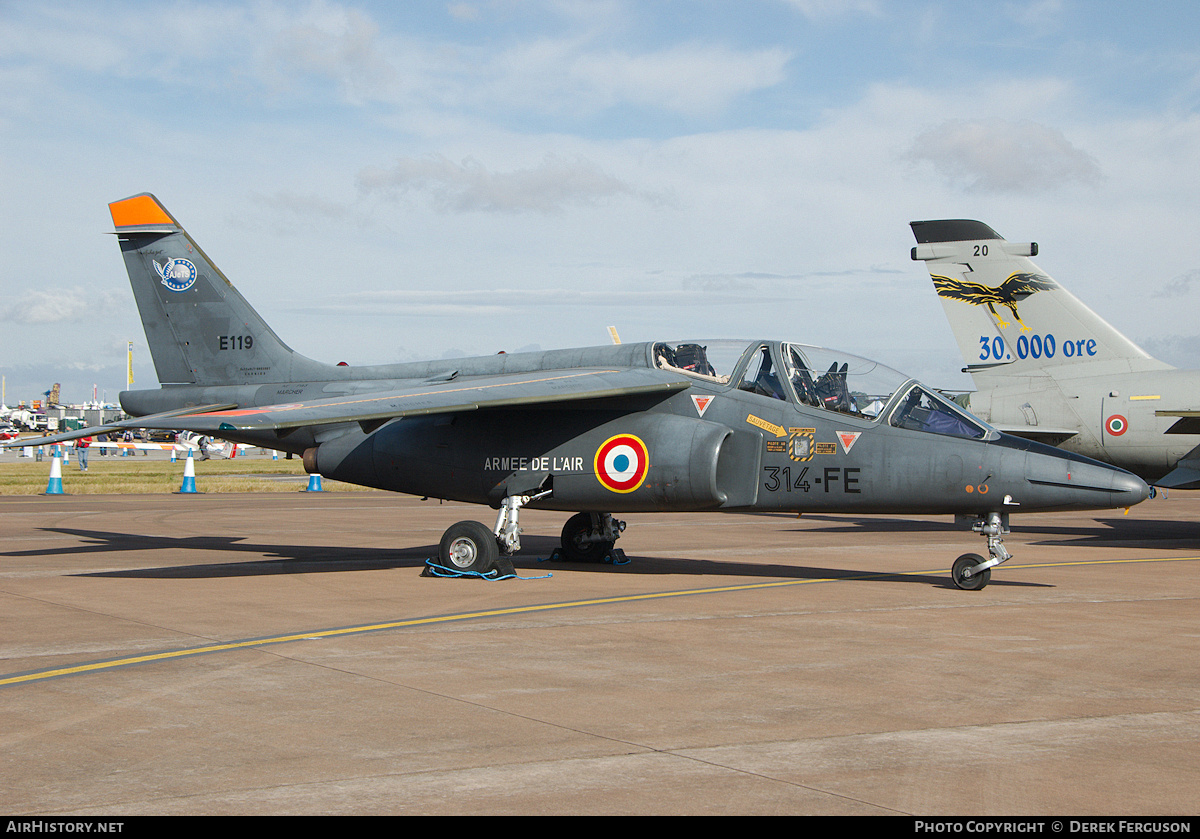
(822, 379)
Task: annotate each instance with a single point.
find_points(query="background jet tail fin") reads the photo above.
(1008, 316)
(199, 328)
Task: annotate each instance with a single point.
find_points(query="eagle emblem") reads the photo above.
(1008, 294)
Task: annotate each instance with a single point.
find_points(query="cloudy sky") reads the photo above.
(395, 181)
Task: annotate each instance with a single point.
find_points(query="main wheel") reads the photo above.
(469, 546)
(974, 582)
(577, 528)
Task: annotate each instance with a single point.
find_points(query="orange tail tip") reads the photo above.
(139, 211)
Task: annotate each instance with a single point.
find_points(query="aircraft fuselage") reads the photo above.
(712, 446)
(1114, 414)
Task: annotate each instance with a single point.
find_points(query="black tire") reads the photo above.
(578, 526)
(976, 581)
(468, 546)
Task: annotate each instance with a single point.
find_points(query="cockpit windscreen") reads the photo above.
(820, 378)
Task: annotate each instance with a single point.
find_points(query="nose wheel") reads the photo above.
(966, 576)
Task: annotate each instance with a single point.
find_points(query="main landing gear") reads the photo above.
(589, 537)
(972, 572)
(469, 546)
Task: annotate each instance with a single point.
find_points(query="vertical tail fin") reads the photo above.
(1008, 316)
(199, 328)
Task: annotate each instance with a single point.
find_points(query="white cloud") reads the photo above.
(289, 54)
(340, 44)
(1177, 350)
(466, 12)
(470, 186)
(1002, 156)
(308, 204)
(686, 79)
(1035, 14)
(700, 292)
(1179, 286)
(60, 306)
(824, 9)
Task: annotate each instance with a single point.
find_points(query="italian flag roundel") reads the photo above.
(622, 463)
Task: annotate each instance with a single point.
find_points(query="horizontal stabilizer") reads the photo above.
(123, 425)
(1181, 477)
(951, 230)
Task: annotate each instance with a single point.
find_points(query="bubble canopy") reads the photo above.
(822, 379)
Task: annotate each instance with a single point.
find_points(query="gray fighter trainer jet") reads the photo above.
(1048, 368)
(685, 425)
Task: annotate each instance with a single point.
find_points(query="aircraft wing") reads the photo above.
(1188, 422)
(372, 408)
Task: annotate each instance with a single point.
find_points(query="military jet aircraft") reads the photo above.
(683, 425)
(1048, 368)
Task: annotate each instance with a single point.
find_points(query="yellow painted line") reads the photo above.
(95, 666)
(354, 630)
(1144, 398)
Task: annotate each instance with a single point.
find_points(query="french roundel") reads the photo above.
(622, 463)
(1116, 425)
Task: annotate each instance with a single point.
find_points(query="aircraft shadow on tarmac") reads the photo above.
(276, 559)
(306, 559)
(1152, 534)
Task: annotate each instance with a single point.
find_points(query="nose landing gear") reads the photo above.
(972, 572)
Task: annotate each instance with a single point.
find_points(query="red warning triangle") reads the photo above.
(848, 438)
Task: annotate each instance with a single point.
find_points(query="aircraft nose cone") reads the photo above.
(1056, 479)
(1131, 488)
(1123, 489)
